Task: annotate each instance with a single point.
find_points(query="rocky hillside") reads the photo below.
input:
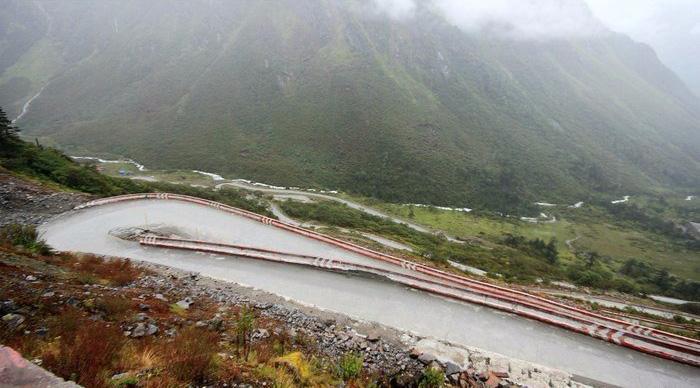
(326, 94)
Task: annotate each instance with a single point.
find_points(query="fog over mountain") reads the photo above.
(468, 103)
(539, 19)
(671, 27)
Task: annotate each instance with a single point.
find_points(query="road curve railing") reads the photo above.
(644, 339)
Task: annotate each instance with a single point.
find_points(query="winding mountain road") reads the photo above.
(235, 245)
(350, 204)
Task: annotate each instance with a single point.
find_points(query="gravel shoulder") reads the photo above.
(26, 202)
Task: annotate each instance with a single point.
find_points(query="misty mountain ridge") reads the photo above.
(329, 94)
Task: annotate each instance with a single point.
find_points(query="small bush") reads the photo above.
(191, 355)
(113, 306)
(25, 236)
(350, 366)
(690, 307)
(245, 324)
(432, 378)
(85, 355)
(118, 272)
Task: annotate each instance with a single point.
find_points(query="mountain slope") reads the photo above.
(310, 93)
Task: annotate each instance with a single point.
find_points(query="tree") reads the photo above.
(8, 132)
(551, 252)
(591, 259)
(244, 328)
(663, 280)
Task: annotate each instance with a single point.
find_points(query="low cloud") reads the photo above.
(695, 30)
(518, 19)
(396, 9)
(515, 19)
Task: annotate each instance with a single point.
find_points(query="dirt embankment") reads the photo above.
(26, 202)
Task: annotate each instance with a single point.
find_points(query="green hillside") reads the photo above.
(321, 93)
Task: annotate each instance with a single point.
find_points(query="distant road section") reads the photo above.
(354, 205)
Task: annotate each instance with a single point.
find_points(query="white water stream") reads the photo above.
(25, 107)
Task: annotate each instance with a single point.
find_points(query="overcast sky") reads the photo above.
(552, 18)
(645, 19)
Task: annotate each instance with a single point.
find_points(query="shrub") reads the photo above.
(113, 306)
(85, 355)
(350, 366)
(535, 247)
(691, 307)
(25, 236)
(624, 285)
(118, 272)
(244, 327)
(432, 378)
(191, 355)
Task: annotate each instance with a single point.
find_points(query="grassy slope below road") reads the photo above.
(513, 264)
(596, 230)
(517, 249)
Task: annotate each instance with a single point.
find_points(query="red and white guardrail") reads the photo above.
(648, 340)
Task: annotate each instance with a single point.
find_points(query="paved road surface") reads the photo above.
(360, 297)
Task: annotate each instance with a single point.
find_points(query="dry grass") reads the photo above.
(85, 352)
(191, 357)
(118, 272)
(114, 306)
(140, 356)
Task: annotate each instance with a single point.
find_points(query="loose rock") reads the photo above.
(13, 320)
(426, 358)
